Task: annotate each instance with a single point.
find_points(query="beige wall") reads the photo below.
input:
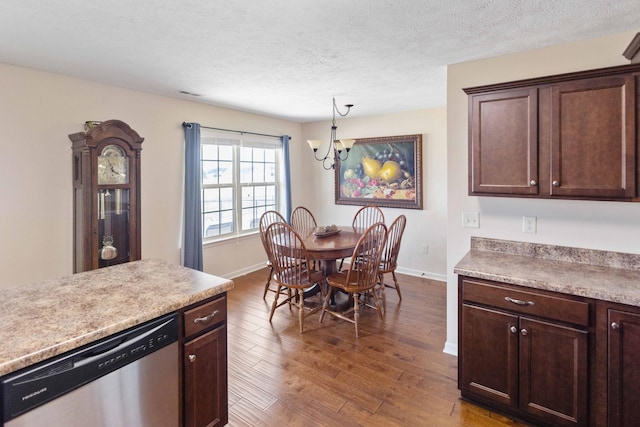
(599, 225)
(37, 112)
(426, 226)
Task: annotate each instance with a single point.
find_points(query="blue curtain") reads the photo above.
(287, 176)
(192, 250)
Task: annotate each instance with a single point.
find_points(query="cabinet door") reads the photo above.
(489, 362)
(503, 139)
(593, 141)
(553, 372)
(205, 379)
(624, 375)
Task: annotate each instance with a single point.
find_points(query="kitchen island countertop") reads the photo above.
(602, 275)
(49, 318)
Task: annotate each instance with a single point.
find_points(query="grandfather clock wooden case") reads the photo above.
(106, 195)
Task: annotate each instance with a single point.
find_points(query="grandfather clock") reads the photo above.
(106, 195)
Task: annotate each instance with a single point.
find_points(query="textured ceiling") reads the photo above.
(287, 58)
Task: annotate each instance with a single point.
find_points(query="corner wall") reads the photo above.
(38, 110)
(427, 226)
(611, 226)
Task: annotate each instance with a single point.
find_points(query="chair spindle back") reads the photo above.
(389, 259)
(367, 216)
(363, 270)
(302, 218)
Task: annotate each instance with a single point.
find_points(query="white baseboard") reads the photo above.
(245, 271)
(425, 274)
(450, 348)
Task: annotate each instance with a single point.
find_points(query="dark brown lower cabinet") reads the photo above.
(553, 372)
(488, 360)
(204, 364)
(623, 368)
(205, 370)
(514, 359)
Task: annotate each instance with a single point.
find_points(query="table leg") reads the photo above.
(328, 267)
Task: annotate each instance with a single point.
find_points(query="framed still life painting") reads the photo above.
(384, 171)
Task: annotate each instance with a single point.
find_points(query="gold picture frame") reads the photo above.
(383, 171)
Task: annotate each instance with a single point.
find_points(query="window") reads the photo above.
(241, 179)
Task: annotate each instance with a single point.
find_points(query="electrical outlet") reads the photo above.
(470, 219)
(529, 224)
(425, 249)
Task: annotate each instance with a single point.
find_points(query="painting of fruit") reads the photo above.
(383, 171)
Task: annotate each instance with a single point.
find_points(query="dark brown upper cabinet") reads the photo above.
(504, 142)
(569, 136)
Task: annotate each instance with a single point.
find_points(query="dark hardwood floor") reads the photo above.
(395, 374)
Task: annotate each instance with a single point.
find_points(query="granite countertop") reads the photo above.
(54, 316)
(603, 275)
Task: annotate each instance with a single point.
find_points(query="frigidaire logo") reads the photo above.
(35, 393)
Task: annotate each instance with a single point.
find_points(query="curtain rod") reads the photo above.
(237, 131)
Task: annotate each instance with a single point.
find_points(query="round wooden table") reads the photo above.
(328, 249)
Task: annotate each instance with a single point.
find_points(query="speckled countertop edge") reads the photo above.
(608, 276)
(52, 317)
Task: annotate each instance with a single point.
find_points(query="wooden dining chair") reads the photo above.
(361, 277)
(268, 218)
(302, 218)
(364, 218)
(389, 258)
(289, 259)
(367, 216)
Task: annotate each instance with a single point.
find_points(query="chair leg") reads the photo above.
(266, 286)
(395, 281)
(300, 308)
(376, 300)
(383, 293)
(356, 312)
(275, 304)
(325, 304)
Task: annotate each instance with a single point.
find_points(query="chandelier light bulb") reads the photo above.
(338, 146)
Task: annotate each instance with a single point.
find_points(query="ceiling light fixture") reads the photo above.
(338, 146)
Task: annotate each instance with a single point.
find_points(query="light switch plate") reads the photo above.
(470, 219)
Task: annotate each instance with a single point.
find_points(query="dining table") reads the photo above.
(327, 248)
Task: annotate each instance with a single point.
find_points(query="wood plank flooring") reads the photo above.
(395, 374)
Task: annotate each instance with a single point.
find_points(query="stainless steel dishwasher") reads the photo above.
(129, 379)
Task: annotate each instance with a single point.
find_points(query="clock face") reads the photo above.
(113, 166)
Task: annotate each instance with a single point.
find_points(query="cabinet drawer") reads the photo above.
(205, 316)
(532, 303)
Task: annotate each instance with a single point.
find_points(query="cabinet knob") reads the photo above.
(556, 183)
(615, 326)
(192, 357)
(513, 329)
(533, 182)
(524, 332)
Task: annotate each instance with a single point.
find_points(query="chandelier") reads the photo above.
(338, 146)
